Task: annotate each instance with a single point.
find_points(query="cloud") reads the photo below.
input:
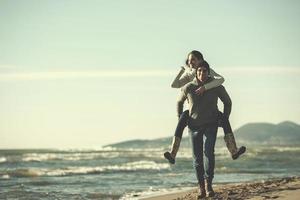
(267, 70)
(15, 74)
(83, 74)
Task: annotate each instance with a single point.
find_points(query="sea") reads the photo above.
(112, 173)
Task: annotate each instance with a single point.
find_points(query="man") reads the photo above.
(203, 117)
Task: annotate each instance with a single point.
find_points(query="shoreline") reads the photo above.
(278, 188)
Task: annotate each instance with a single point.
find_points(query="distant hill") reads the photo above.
(284, 133)
(259, 134)
(156, 143)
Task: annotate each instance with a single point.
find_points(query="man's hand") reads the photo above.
(200, 90)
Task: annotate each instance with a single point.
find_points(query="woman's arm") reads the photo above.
(217, 80)
(182, 78)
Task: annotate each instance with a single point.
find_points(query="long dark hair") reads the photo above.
(195, 53)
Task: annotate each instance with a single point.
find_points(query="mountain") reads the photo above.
(156, 143)
(259, 134)
(284, 133)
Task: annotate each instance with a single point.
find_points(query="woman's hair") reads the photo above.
(197, 54)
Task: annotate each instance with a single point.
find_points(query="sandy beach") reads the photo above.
(284, 188)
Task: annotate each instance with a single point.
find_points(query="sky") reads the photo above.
(83, 74)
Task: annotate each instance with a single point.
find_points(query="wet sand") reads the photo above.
(284, 188)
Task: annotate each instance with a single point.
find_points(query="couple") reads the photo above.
(201, 86)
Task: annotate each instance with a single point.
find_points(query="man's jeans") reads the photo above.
(206, 137)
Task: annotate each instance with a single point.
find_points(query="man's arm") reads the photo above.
(180, 101)
(182, 78)
(225, 98)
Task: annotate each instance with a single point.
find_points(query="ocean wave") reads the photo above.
(69, 171)
(5, 176)
(3, 159)
(187, 153)
(111, 153)
(259, 170)
(103, 153)
(39, 157)
(284, 149)
(78, 156)
(42, 157)
(152, 192)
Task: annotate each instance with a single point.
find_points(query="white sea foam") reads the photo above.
(187, 152)
(283, 149)
(145, 165)
(5, 176)
(131, 166)
(145, 149)
(3, 159)
(224, 169)
(39, 157)
(154, 193)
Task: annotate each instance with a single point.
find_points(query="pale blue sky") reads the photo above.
(87, 73)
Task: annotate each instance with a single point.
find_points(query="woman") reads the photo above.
(186, 75)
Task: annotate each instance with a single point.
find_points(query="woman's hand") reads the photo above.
(200, 90)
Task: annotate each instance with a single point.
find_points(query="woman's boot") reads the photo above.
(231, 146)
(170, 156)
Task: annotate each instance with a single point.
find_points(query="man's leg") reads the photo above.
(197, 149)
(210, 135)
(182, 123)
(229, 138)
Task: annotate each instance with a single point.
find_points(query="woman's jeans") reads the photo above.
(203, 141)
(183, 122)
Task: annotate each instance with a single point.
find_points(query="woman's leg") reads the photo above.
(224, 123)
(182, 123)
(229, 138)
